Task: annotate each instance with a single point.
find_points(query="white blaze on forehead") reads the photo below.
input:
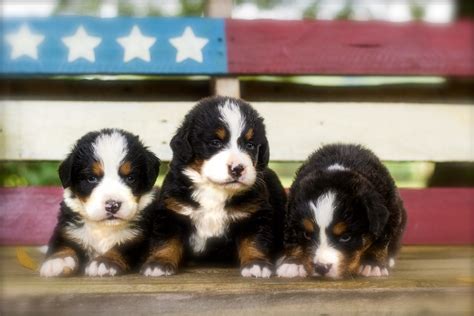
(110, 150)
(323, 210)
(336, 166)
(233, 118)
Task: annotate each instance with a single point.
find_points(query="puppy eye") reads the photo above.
(345, 238)
(216, 143)
(92, 179)
(307, 235)
(130, 179)
(250, 146)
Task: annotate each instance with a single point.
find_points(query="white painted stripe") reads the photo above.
(46, 130)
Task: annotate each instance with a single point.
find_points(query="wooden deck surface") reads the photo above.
(427, 280)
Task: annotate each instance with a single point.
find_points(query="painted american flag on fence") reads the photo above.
(118, 45)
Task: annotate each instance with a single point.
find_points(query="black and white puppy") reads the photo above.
(219, 200)
(108, 183)
(344, 216)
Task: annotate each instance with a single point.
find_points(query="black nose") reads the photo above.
(112, 206)
(236, 171)
(321, 268)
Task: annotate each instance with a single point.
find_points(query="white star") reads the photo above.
(24, 43)
(136, 45)
(81, 45)
(189, 46)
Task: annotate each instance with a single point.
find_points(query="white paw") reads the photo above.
(96, 269)
(57, 266)
(156, 272)
(291, 270)
(391, 262)
(372, 271)
(256, 271)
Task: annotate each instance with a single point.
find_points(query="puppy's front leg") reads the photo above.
(111, 263)
(254, 243)
(295, 263)
(254, 258)
(164, 258)
(63, 257)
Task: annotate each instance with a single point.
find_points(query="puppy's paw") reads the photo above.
(59, 267)
(291, 270)
(157, 269)
(102, 267)
(257, 270)
(368, 270)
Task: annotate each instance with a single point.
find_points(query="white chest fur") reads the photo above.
(211, 219)
(98, 238)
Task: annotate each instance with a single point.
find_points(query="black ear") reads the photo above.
(263, 155)
(152, 169)
(65, 171)
(377, 212)
(180, 145)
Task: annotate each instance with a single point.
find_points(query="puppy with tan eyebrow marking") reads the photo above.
(344, 216)
(219, 201)
(102, 225)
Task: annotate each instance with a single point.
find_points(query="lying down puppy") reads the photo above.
(344, 216)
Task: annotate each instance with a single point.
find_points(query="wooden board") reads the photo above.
(350, 48)
(435, 216)
(46, 130)
(124, 45)
(426, 280)
(237, 47)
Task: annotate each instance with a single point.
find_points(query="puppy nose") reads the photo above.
(322, 268)
(236, 171)
(112, 206)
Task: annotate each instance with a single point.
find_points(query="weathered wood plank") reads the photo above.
(426, 280)
(435, 216)
(248, 47)
(45, 130)
(348, 47)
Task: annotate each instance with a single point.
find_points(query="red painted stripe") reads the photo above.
(435, 216)
(349, 48)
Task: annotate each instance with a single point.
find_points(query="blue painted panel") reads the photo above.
(52, 53)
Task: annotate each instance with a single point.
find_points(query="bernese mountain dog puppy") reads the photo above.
(344, 216)
(219, 201)
(102, 225)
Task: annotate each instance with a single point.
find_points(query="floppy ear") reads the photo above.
(377, 212)
(152, 169)
(263, 155)
(65, 171)
(182, 150)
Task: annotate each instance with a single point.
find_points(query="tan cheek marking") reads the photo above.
(308, 225)
(97, 169)
(221, 133)
(248, 136)
(83, 199)
(196, 165)
(339, 228)
(351, 265)
(248, 252)
(126, 168)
